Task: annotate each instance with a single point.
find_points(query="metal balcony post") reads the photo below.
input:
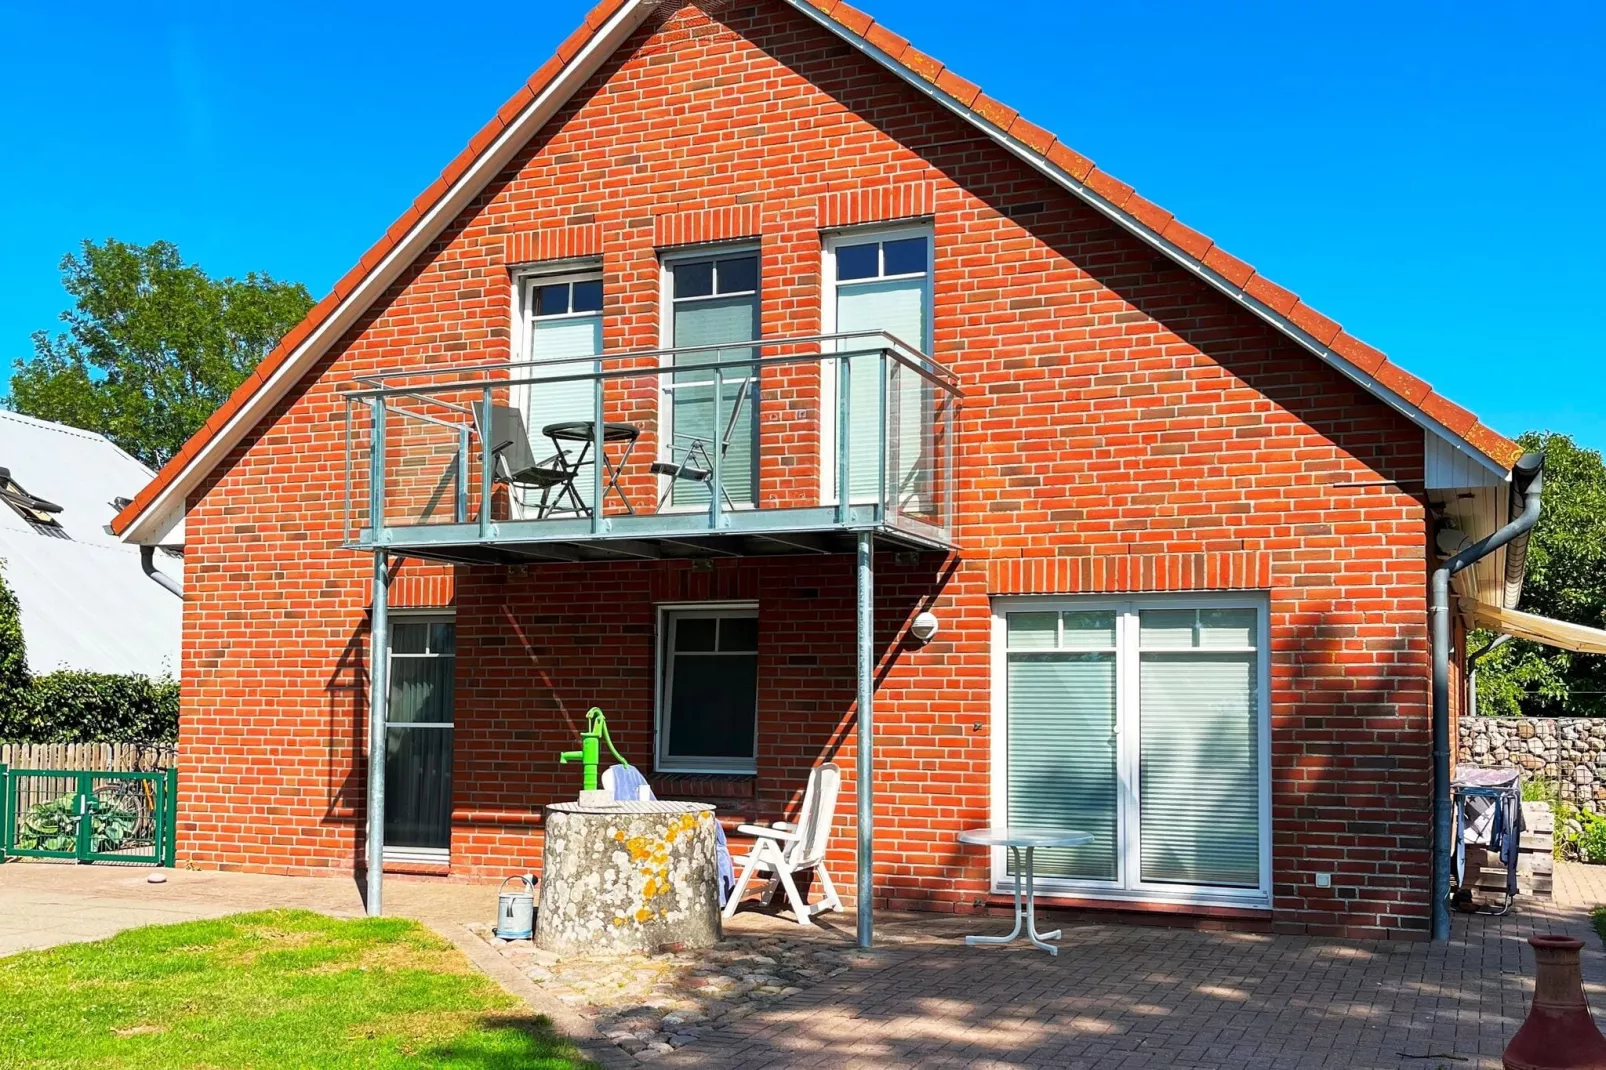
(844, 412)
(887, 439)
(716, 489)
(598, 459)
(487, 463)
(378, 701)
(376, 471)
(461, 515)
(865, 774)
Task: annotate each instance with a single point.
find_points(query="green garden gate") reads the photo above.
(89, 816)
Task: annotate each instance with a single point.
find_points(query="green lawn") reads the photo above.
(278, 988)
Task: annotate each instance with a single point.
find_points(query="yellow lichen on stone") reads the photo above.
(643, 916)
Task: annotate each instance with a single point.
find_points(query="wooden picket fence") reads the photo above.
(96, 757)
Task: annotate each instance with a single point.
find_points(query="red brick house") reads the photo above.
(846, 330)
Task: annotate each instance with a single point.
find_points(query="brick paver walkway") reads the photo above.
(1117, 995)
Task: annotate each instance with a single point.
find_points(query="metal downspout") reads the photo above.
(865, 635)
(378, 700)
(1527, 481)
(1472, 670)
(147, 561)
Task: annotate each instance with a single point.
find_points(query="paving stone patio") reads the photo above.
(1116, 996)
(651, 1004)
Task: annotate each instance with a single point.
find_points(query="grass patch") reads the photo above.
(272, 989)
(1597, 918)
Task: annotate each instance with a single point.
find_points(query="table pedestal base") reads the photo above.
(1026, 917)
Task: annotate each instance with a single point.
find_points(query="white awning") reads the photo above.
(1579, 638)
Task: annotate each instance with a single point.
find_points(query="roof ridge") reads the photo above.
(1285, 308)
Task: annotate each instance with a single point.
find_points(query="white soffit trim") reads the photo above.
(1034, 160)
(158, 517)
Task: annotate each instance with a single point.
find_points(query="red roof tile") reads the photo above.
(1115, 192)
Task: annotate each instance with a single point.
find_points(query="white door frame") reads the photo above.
(1130, 886)
(828, 323)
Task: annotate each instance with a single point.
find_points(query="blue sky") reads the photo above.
(1432, 175)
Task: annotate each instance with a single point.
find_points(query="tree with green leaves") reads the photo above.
(1566, 581)
(153, 345)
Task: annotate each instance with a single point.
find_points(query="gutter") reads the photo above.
(147, 561)
(1527, 488)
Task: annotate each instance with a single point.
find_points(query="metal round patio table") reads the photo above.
(1028, 840)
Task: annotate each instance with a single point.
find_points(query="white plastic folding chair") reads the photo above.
(782, 850)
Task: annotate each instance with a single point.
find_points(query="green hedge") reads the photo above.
(69, 706)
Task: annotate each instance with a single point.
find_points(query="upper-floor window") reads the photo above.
(711, 301)
(881, 281)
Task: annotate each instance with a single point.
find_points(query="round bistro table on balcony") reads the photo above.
(584, 433)
(1028, 840)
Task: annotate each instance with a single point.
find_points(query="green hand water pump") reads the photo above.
(590, 752)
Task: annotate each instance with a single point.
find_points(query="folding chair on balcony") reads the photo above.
(783, 850)
(515, 466)
(696, 463)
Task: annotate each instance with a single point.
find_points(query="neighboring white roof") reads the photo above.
(86, 602)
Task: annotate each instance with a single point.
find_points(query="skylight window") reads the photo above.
(38, 512)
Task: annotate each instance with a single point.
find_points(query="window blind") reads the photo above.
(558, 340)
(897, 306)
(1062, 737)
(1198, 781)
(711, 322)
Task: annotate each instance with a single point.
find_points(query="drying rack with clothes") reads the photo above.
(1487, 804)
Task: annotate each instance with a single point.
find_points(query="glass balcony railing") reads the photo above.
(770, 438)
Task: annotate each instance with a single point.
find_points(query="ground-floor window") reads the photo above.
(1143, 722)
(418, 737)
(708, 689)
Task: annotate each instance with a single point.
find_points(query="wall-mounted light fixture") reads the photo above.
(924, 626)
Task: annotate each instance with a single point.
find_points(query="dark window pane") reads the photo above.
(409, 638)
(739, 275)
(552, 300)
(421, 690)
(418, 787)
(857, 261)
(906, 256)
(587, 296)
(711, 706)
(738, 633)
(442, 638)
(694, 280)
(695, 633)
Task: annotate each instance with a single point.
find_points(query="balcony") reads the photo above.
(731, 450)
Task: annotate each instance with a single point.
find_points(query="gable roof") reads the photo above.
(161, 504)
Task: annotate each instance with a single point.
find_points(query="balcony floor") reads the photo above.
(663, 536)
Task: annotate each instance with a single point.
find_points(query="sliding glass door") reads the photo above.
(1144, 723)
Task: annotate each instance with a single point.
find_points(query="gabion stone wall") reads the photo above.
(1567, 752)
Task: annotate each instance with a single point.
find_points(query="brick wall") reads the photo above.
(1125, 429)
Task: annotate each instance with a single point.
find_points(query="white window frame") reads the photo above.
(828, 323)
(1129, 885)
(436, 615)
(667, 259)
(663, 669)
(525, 282)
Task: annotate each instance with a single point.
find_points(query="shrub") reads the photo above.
(53, 825)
